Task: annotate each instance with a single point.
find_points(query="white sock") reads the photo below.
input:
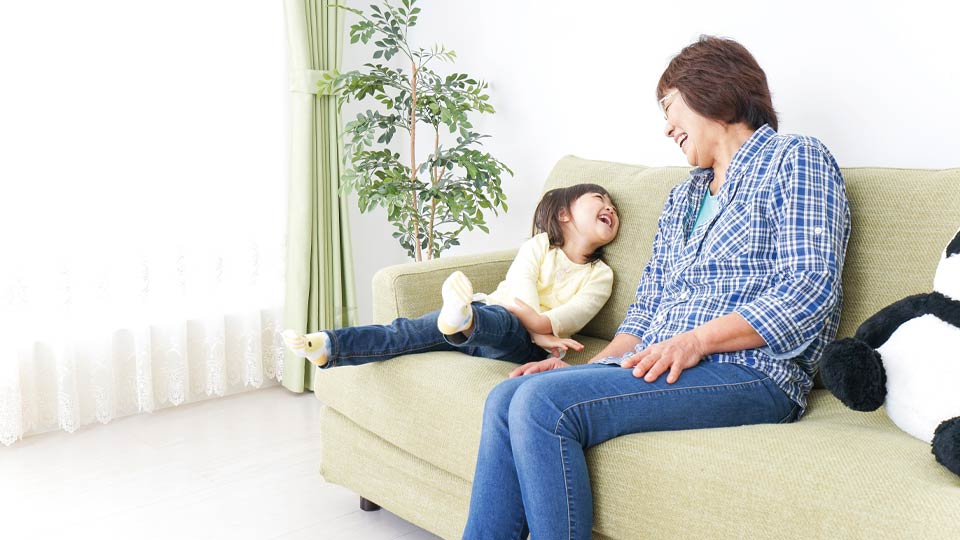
(314, 347)
(456, 315)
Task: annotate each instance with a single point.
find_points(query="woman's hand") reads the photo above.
(676, 354)
(724, 334)
(557, 346)
(536, 367)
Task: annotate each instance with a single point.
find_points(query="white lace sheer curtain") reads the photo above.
(143, 153)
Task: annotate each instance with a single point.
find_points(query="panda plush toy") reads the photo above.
(907, 357)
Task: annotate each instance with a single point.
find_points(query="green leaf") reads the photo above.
(471, 169)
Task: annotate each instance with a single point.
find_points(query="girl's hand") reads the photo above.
(676, 354)
(536, 367)
(557, 346)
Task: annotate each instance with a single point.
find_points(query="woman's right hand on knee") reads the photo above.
(536, 367)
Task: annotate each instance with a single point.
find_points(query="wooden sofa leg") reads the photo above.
(368, 506)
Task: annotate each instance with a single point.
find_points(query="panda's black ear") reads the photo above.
(954, 247)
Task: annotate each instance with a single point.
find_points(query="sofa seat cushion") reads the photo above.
(823, 474)
(429, 405)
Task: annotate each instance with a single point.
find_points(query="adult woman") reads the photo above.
(741, 293)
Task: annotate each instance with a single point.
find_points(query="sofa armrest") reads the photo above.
(412, 289)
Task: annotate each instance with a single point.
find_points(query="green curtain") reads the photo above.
(320, 291)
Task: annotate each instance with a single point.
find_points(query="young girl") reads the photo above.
(554, 286)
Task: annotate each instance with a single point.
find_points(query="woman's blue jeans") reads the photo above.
(497, 334)
(531, 474)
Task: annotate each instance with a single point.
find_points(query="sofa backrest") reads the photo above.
(901, 221)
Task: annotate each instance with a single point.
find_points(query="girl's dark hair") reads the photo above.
(721, 80)
(546, 218)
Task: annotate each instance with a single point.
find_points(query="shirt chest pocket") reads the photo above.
(729, 235)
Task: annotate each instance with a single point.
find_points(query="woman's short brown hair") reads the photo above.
(721, 80)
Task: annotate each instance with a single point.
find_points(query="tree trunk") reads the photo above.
(435, 177)
(413, 160)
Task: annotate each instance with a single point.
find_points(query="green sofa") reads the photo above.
(404, 433)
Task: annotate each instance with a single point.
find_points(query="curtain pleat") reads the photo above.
(320, 291)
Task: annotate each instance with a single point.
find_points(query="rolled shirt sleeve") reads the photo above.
(811, 203)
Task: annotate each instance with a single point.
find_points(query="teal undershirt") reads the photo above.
(708, 209)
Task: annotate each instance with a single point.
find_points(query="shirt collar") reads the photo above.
(701, 175)
(748, 150)
(751, 148)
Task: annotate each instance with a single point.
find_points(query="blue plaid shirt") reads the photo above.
(773, 253)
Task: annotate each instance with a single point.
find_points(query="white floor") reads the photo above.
(241, 467)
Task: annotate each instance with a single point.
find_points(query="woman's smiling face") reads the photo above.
(693, 133)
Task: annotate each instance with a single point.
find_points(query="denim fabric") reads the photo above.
(497, 334)
(531, 474)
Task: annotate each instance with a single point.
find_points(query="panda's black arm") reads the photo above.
(876, 330)
(945, 308)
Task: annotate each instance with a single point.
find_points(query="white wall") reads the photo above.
(878, 83)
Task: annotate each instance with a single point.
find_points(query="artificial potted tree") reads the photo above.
(429, 201)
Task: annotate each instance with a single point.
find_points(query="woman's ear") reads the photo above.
(563, 215)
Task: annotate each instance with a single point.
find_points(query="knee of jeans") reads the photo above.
(498, 400)
(533, 406)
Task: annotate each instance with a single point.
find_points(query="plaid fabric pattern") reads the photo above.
(773, 253)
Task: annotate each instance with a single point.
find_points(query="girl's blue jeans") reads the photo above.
(531, 475)
(497, 334)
